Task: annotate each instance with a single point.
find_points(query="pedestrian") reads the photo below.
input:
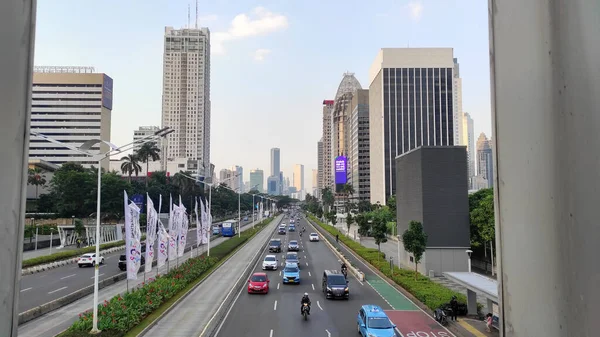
(454, 307)
(488, 321)
(337, 238)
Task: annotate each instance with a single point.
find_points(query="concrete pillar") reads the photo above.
(17, 30)
(471, 302)
(546, 113)
(490, 307)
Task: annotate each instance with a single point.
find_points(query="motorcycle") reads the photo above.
(345, 272)
(305, 311)
(300, 234)
(440, 316)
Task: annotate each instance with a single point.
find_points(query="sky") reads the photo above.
(273, 62)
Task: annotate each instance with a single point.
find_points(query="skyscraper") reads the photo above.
(186, 96)
(238, 183)
(315, 182)
(319, 184)
(276, 174)
(275, 161)
(298, 178)
(257, 178)
(225, 177)
(341, 112)
(71, 105)
(410, 105)
(327, 167)
(358, 157)
(469, 137)
(485, 165)
(457, 106)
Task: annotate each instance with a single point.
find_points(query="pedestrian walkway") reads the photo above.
(30, 254)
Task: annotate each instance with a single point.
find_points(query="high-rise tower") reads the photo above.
(186, 96)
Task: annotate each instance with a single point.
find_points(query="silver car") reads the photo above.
(293, 246)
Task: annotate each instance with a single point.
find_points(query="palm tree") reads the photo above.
(328, 198)
(130, 165)
(348, 190)
(146, 153)
(36, 178)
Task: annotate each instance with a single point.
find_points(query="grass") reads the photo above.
(221, 252)
(430, 293)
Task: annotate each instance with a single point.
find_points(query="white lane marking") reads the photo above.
(328, 333)
(307, 264)
(62, 278)
(271, 333)
(59, 289)
(309, 274)
(95, 276)
(305, 256)
(319, 304)
(313, 286)
(278, 286)
(275, 305)
(280, 273)
(23, 290)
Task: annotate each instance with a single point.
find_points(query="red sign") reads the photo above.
(328, 102)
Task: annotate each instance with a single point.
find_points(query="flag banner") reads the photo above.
(183, 229)
(160, 203)
(198, 225)
(170, 215)
(163, 245)
(173, 232)
(205, 223)
(152, 220)
(132, 238)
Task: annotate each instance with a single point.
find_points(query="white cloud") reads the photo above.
(260, 22)
(415, 9)
(207, 18)
(260, 54)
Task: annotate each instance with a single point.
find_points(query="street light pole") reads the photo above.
(96, 263)
(239, 214)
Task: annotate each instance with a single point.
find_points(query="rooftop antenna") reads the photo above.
(188, 16)
(196, 14)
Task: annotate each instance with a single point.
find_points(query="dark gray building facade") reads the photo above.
(432, 188)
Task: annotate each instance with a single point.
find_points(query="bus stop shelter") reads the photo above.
(477, 284)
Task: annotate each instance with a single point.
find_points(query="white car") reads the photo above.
(314, 237)
(270, 262)
(89, 260)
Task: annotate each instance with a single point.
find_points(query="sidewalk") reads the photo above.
(30, 254)
(468, 326)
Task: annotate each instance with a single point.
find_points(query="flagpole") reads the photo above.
(210, 214)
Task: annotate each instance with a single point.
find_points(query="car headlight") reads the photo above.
(328, 289)
(264, 285)
(370, 335)
(346, 289)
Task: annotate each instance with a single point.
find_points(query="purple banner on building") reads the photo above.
(107, 93)
(341, 164)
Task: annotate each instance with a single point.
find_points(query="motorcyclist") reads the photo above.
(344, 268)
(306, 300)
(300, 233)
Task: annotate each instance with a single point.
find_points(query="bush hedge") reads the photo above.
(122, 313)
(430, 293)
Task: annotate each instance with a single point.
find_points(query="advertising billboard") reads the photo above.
(107, 93)
(341, 163)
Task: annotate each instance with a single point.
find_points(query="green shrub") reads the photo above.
(121, 313)
(430, 293)
(68, 254)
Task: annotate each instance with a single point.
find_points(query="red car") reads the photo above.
(258, 284)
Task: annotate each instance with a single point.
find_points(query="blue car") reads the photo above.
(373, 322)
(292, 257)
(291, 274)
(292, 228)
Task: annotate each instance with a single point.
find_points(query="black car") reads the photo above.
(123, 259)
(281, 230)
(275, 246)
(335, 285)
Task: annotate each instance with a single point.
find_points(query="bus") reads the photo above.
(229, 227)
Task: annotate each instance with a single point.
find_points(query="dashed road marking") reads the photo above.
(319, 305)
(313, 286)
(95, 276)
(275, 305)
(62, 278)
(328, 333)
(309, 274)
(59, 289)
(278, 286)
(23, 290)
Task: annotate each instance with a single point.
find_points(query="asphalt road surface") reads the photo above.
(277, 314)
(47, 286)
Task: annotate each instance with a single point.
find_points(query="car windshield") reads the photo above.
(291, 269)
(275, 243)
(313, 234)
(258, 278)
(337, 280)
(270, 258)
(293, 242)
(292, 257)
(379, 323)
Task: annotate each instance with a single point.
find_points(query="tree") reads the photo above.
(36, 178)
(364, 206)
(347, 191)
(362, 220)
(391, 204)
(130, 165)
(146, 153)
(481, 214)
(415, 242)
(380, 217)
(328, 198)
(349, 222)
(73, 186)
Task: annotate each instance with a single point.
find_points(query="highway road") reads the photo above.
(44, 287)
(277, 314)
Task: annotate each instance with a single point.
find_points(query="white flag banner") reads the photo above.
(152, 220)
(198, 225)
(163, 245)
(173, 233)
(132, 238)
(170, 215)
(205, 223)
(183, 226)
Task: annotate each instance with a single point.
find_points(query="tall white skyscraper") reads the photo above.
(143, 132)
(298, 177)
(186, 96)
(457, 107)
(469, 137)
